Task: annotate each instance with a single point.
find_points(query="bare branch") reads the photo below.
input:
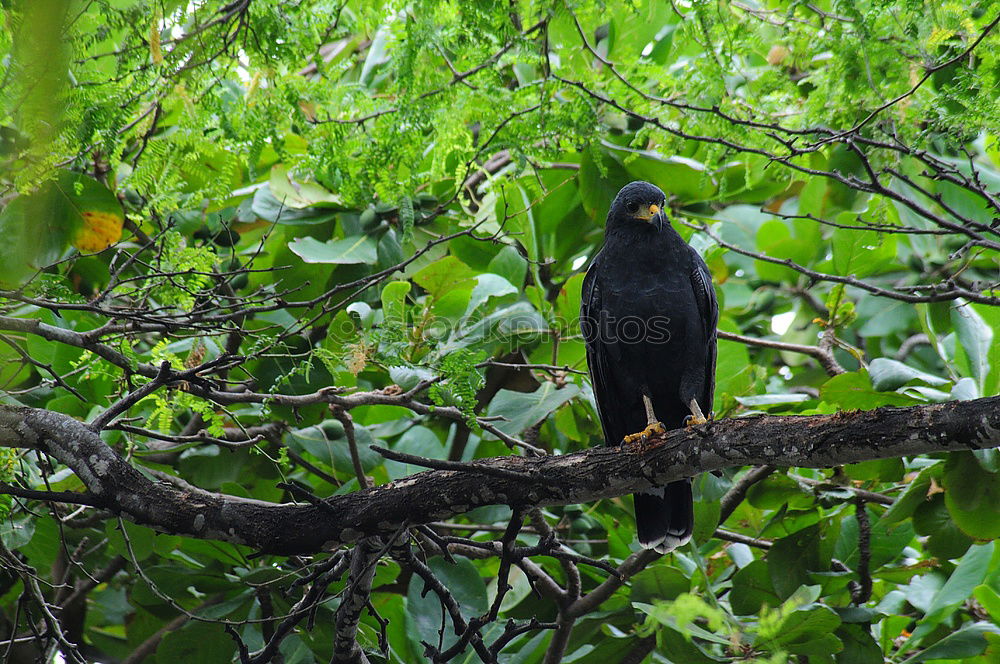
(816, 441)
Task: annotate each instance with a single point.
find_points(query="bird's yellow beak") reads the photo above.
(647, 215)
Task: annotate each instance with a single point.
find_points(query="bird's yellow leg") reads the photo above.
(652, 424)
(696, 417)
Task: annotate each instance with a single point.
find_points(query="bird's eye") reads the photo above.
(633, 207)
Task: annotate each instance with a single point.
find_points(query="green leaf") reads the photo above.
(809, 632)
(683, 177)
(423, 610)
(270, 208)
(140, 539)
(790, 559)
(489, 287)
(680, 649)
(853, 391)
(196, 642)
(510, 264)
(772, 399)
(521, 410)
(37, 227)
(859, 646)
(975, 338)
(443, 275)
(599, 184)
(966, 642)
(989, 599)
(946, 539)
(326, 443)
(419, 441)
(777, 490)
(394, 301)
(660, 582)
(775, 239)
(734, 372)
(860, 252)
(969, 573)
(752, 589)
(349, 251)
(913, 496)
(886, 544)
(299, 194)
(887, 375)
(972, 496)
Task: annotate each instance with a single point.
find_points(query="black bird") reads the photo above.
(649, 315)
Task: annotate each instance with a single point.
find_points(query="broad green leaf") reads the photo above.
(299, 194)
(419, 441)
(271, 208)
(510, 264)
(15, 533)
(913, 496)
(809, 632)
(326, 443)
(975, 338)
(790, 559)
(631, 31)
(44, 544)
(989, 599)
(859, 646)
(37, 227)
(887, 375)
(443, 275)
(659, 582)
(772, 399)
(599, 184)
(886, 470)
(394, 301)
(945, 540)
(734, 373)
(776, 490)
(886, 544)
(969, 573)
(972, 496)
(140, 540)
(859, 252)
(349, 251)
(853, 391)
(424, 610)
(752, 589)
(685, 178)
(684, 615)
(968, 641)
(196, 642)
(409, 377)
(520, 410)
(489, 287)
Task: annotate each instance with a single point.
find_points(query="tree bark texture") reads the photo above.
(815, 441)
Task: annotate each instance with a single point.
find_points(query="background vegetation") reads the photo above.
(220, 218)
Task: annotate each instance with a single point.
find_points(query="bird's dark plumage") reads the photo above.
(649, 317)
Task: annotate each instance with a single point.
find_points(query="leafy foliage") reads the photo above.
(399, 200)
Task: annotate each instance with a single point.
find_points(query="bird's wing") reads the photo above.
(708, 309)
(597, 355)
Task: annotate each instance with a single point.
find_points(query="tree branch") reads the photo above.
(816, 441)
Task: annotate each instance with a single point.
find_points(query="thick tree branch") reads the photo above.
(353, 601)
(816, 441)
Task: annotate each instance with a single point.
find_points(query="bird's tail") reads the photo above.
(664, 517)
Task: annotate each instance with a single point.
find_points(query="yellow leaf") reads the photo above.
(99, 231)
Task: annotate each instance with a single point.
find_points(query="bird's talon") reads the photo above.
(693, 421)
(645, 434)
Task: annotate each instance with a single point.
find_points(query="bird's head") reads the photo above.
(638, 203)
